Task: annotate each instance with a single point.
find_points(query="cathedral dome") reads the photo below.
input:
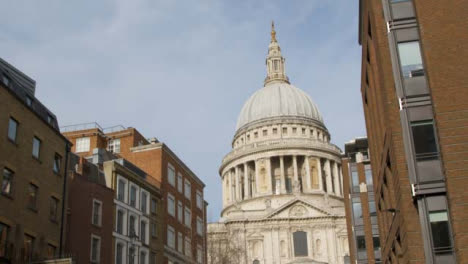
(278, 100)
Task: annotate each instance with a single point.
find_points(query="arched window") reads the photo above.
(300, 244)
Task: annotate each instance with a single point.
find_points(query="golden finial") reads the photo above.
(273, 32)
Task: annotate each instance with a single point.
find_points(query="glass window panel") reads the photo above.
(354, 178)
(28, 245)
(4, 229)
(143, 202)
(410, 59)
(171, 175)
(53, 208)
(376, 242)
(188, 189)
(32, 196)
(57, 163)
(368, 172)
(7, 181)
(36, 147)
(300, 243)
(440, 229)
(119, 254)
(121, 191)
(424, 139)
(357, 211)
(120, 217)
(133, 195)
(82, 144)
(12, 129)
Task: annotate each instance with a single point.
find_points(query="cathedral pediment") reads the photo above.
(298, 208)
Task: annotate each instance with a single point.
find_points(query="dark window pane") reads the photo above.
(361, 247)
(440, 230)
(32, 196)
(119, 222)
(57, 162)
(376, 241)
(424, 139)
(7, 181)
(410, 59)
(119, 254)
(36, 147)
(121, 191)
(355, 178)
(300, 243)
(4, 229)
(12, 128)
(372, 210)
(133, 196)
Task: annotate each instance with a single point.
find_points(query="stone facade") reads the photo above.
(282, 182)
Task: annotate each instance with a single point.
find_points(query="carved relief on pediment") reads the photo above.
(298, 211)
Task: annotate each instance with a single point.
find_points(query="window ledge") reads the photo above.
(7, 195)
(97, 225)
(36, 159)
(13, 142)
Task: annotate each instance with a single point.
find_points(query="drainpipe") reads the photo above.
(64, 198)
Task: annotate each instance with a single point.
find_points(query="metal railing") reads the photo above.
(83, 126)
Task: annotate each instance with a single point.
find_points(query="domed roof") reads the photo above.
(278, 99)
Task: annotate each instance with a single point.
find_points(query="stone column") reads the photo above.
(337, 180)
(256, 178)
(269, 177)
(340, 171)
(308, 183)
(238, 185)
(296, 183)
(319, 170)
(282, 176)
(246, 181)
(328, 176)
(232, 186)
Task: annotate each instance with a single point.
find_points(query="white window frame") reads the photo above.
(199, 199)
(137, 224)
(188, 219)
(124, 220)
(180, 183)
(146, 260)
(146, 241)
(98, 253)
(180, 211)
(114, 145)
(188, 249)
(199, 254)
(171, 209)
(170, 240)
(188, 189)
(82, 144)
(99, 223)
(171, 176)
(125, 191)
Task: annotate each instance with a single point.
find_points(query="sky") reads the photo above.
(180, 70)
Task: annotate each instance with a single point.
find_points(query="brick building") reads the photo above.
(33, 157)
(415, 96)
(361, 217)
(183, 207)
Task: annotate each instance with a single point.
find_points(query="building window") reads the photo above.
(57, 163)
(119, 254)
(154, 231)
(180, 210)
(144, 203)
(154, 206)
(187, 217)
(82, 144)
(199, 226)
(12, 129)
(440, 231)
(131, 255)
(199, 200)
(28, 247)
(6, 80)
(120, 221)
(294, 130)
(4, 232)
(143, 232)
(28, 100)
(300, 244)
(180, 183)
(132, 227)
(188, 247)
(142, 257)
(188, 189)
(275, 131)
(376, 243)
(410, 59)
(170, 237)
(121, 191)
(7, 182)
(36, 151)
(368, 173)
(265, 132)
(97, 212)
(199, 255)
(255, 134)
(357, 211)
(32, 196)
(171, 204)
(50, 118)
(303, 131)
(152, 258)
(51, 249)
(285, 130)
(361, 247)
(171, 174)
(53, 208)
(95, 249)
(114, 145)
(354, 178)
(424, 141)
(180, 242)
(133, 196)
